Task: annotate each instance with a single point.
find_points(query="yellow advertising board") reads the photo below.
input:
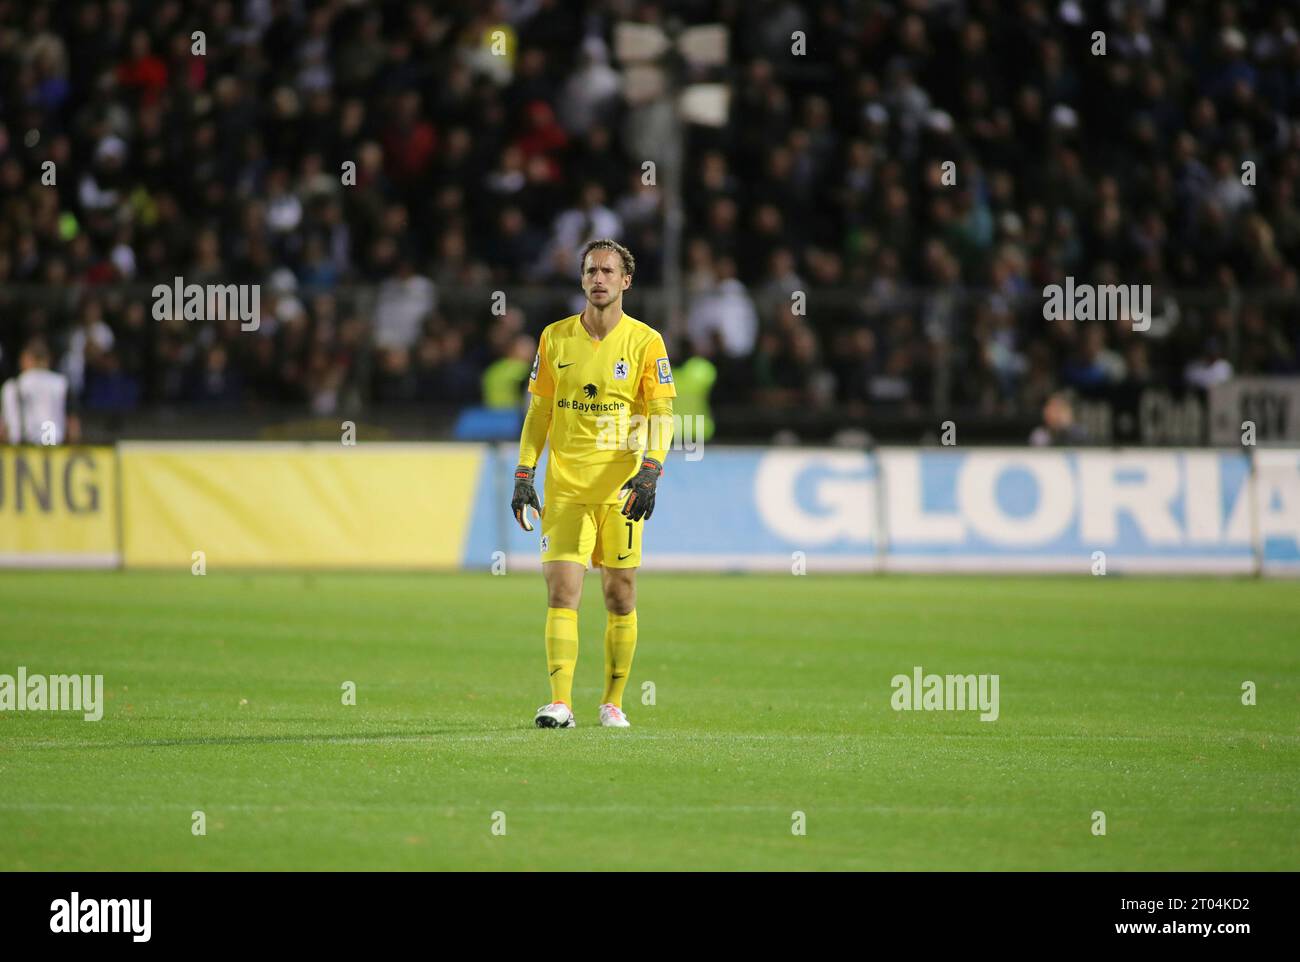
(269, 505)
(58, 507)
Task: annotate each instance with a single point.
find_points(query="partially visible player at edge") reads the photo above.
(594, 369)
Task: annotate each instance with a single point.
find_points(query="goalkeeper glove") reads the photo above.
(641, 502)
(525, 496)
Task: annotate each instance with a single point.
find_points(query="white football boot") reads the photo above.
(611, 716)
(555, 715)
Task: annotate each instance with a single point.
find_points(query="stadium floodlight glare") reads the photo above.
(704, 45)
(705, 104)
(639, 42)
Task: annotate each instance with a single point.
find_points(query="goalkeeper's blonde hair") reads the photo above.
(609, 244)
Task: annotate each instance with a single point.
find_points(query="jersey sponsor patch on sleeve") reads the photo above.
(665, 371)
(537, 360)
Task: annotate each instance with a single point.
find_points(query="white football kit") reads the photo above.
(32, 400)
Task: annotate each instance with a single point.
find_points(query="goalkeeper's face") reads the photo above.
(603, 280)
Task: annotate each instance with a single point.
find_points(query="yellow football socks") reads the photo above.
(620, 646)
(562, 652)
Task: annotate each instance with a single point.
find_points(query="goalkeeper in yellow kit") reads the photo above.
(597, 378)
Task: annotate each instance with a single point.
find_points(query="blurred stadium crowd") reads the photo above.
(483, 172)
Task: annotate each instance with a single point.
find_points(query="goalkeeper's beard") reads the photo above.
(613, 302)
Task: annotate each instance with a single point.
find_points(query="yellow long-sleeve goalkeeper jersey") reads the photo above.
(600, 393)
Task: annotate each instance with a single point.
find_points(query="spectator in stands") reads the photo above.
(727, 309)
(404, 301)
(1058, 426)
(477, 172)
(504, 379)
(34, 406)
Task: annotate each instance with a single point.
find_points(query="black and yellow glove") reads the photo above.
(640, 502)
(525, 496)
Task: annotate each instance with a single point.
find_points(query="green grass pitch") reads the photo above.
(223, 695)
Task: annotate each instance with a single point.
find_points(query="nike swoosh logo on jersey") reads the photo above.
(570, 364)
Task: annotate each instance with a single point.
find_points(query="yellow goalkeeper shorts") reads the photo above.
(594, 534)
